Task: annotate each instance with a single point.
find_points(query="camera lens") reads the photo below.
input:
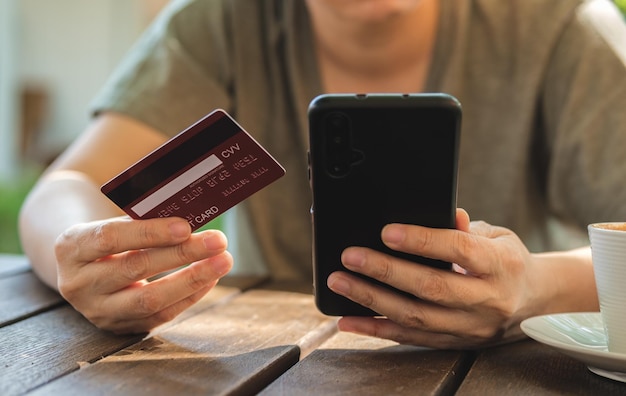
(338, 138)
(339, 168)
(337, 122)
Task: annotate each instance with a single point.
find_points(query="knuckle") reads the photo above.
(486, 333)
(61, 247)
(480, 225)
(98, 320)
(196, 279)
(105, 238)
(494, 323)
(414, 317)
(136, 265)
(65, 245)
(164, 316)
(184, 254)
(148, 302)
(504, 311)
(94, 315)
(147, 234)
(379, 331)
(432, 287)
(367, 299)
(386, 332)
(384, 271)
(72, 288)
(67, 291)
(426, 241)
(464, 246)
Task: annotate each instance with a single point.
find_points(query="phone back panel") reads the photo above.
(375, 160)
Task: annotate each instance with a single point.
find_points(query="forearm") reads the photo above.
(568, 280)
(60, 200)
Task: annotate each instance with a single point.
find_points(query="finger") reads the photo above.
(387, 329)
(181, 284)
(142, 325)
(162, 296)
(446, 288)
(397, 236)
(470, 250)
(405, 310)
(462, 220)
(85, 243)
(414, 314)
(116, 272)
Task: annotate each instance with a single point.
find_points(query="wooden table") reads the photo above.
(246, 337)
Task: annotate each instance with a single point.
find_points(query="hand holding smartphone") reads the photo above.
(376, 159)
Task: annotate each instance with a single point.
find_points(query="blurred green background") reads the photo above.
(11, 197)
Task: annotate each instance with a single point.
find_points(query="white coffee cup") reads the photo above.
(608, 251)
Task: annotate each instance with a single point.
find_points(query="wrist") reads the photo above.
(567, 281)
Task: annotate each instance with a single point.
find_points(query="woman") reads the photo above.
(542, 85)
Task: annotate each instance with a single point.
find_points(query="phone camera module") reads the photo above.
(338, 127)
(337, 121)
(339, 151)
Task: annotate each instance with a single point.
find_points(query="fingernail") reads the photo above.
(179, 229)
(393, 234)
(213, 241)
(338, 285)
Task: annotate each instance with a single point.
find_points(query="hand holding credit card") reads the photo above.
(198, 174)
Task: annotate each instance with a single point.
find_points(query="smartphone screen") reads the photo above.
(376, 159)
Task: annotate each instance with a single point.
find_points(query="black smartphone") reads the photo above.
(376, 159)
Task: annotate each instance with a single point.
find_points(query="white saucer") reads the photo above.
(581, 336)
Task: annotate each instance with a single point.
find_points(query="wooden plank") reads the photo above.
(23, 295)
(11, 264)
(54, 343)
(234, 348)
(219, 295)
(360, 365)
(530, 368)
(41, 348)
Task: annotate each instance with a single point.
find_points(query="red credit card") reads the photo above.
(198, 174)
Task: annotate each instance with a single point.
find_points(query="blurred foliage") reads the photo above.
(621, 4)
(12, 195)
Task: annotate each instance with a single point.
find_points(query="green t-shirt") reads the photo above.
(542, 84)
